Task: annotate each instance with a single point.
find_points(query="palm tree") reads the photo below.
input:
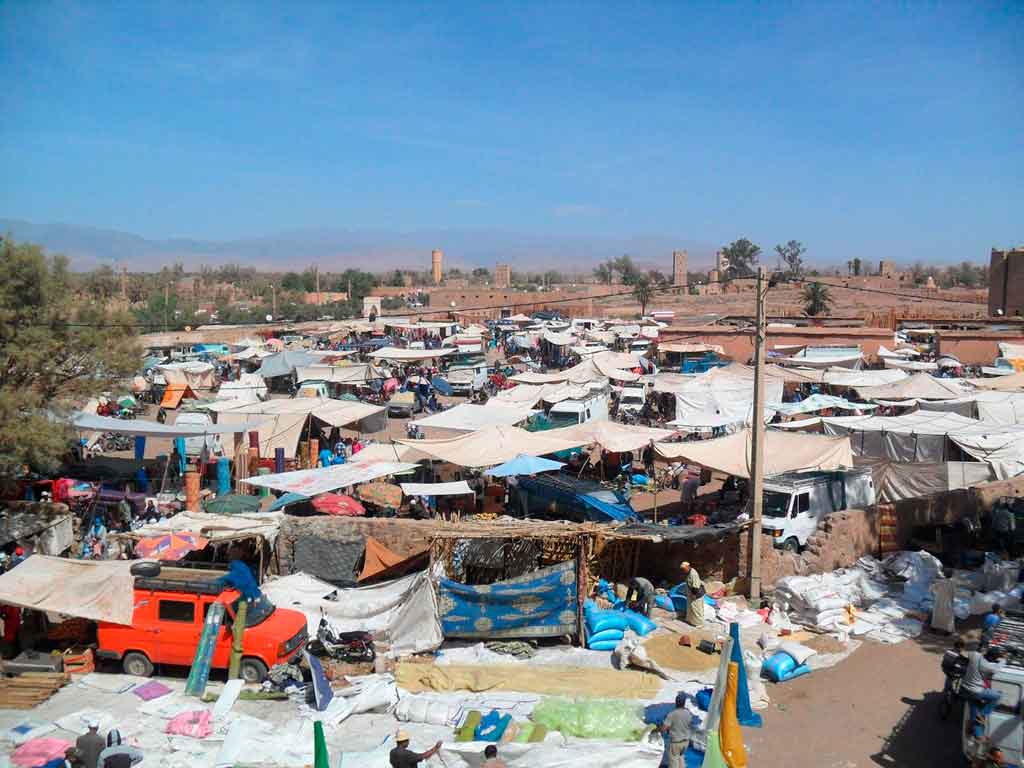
(817, 299)
(643, 290)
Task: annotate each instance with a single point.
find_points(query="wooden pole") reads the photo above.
(757, 444)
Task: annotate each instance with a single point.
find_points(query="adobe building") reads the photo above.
(738, 343)
(503, 276)
(680, 261)
(1006, 282)
(887, 268)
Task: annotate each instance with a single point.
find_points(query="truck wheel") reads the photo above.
(791, 545)
(135, 663)
(252, 671)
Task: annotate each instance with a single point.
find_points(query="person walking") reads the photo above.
(973, 685)
(677, 726)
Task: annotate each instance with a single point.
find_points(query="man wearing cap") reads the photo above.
(694, 596)
(90, 744)
(403, 757)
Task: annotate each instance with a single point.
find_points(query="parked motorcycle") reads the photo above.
(953, 667)
(344, 646)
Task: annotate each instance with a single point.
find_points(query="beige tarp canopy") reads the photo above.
(467, 417)
(400, 355)
(611, 435)
(592, 369)
(359, 373)
(920, 386)
(492, 445)
(282, 421)
(689, 348)
(1012, 383)
(197, 375)
(527, 395)
(392, 452)
(99, 590)
(784, 452)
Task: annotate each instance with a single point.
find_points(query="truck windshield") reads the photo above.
(775, 504)
(563, 419)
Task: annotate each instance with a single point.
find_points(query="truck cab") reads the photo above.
(569, 413)
(313, 388)
(170, 610)
(632, 398)
(795, 503)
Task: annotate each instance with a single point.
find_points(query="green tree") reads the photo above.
(856, 267)
(101, 283)
(309, 279)
(791, 255)
(481, 275)
(742, 255)
(396, 281)
(292, 281)
(657, 277)
(605, 272)
(628, 273)
(643, 291)
(817, 299)
(52, 355)
(553, 277)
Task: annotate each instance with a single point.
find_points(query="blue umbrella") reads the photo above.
(525, 465)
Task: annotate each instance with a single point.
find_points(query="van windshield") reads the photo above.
(563, 419)
(775, 504)
(258, 611)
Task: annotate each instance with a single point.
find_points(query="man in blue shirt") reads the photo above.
(991, 622)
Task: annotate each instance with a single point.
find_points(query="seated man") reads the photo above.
(990, 623)
(980, 670)
(640, 597)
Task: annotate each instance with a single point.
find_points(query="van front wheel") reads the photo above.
(135, 663)
(791, 545)
(252, 671)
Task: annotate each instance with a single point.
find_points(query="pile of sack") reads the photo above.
(605, 628)
(824, 600)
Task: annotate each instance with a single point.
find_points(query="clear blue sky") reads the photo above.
(863, 129)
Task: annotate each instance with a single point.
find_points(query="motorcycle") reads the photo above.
(953, 667)
(344, 646)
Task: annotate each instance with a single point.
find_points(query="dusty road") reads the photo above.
(879, 707)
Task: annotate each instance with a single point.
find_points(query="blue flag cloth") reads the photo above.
(744, 713)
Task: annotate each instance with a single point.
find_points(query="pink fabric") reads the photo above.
(195, 724)
(39, 751)
(154, 689)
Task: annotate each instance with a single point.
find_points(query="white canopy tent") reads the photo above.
(359, 373)
(467, 417)
(921, 386)
(720, 398)
(923, 435)
(93, 423)
(594, 368)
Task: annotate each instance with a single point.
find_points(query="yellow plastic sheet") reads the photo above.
(730, 735)
(549, 680)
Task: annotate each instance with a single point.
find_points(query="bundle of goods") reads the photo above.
(788, 662)
(606, 628)
(822, 600)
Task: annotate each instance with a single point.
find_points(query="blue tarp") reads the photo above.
(540, 604)
(286, 499)
(607, 509)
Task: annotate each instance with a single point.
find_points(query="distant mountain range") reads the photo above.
(339, 249)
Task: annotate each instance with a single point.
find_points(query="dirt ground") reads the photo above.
(879, 707)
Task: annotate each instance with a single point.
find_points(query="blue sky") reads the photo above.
(871, 129)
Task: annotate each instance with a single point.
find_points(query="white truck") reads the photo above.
(632, 398)
(1003, 727)
(569, 413)
(796, 502)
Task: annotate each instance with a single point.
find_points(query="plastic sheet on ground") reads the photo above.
(571, 755)
(591, 718)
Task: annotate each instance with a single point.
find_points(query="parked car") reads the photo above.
(169, 613)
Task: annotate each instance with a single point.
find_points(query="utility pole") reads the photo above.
(316, 273)
(166, 299)
(273, 299)
(757, 444)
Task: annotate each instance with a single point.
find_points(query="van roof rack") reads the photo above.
(1009, 635)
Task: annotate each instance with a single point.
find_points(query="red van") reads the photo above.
(168, 621)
